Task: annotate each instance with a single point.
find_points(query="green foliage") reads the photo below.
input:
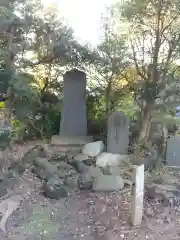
(34, 118)
(1, 105)
(128, 70)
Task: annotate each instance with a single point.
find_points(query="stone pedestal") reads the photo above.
(73, 118)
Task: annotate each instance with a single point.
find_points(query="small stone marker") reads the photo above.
(173, 151)
(118, 133)
(137, 195)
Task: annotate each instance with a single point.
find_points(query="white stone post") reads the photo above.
(137, 195)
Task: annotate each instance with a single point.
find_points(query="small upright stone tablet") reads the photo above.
(118, 133)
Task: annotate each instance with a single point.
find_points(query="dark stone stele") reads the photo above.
(74, 119)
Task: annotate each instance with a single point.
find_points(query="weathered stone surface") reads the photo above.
(118, 133)
(64, 165)
(110, 159)
(173, 151)
(55, 188)
(3, 189)
(63, 173)
(114, 170)
(108, 183)
(81, 157)
(161, 192)
(69, 148)
(2, 175)
(72, 181)
(86, 179)
(85, 159)
(73, 120)
(31, 155)
(43, 174)
(44, 169)
(71, 155)
(57, 140)
(166, 187)
(169, 178)
(93, 149)
(65, 169)
(19, 168)
(90, 161)
(79, 166)
(95, 172)
(59, 156)
(137, 194)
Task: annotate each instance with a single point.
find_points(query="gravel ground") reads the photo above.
(85, 216)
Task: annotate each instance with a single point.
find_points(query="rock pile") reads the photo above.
(90, 169)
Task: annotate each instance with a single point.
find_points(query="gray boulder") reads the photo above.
(64, 169)
(64, 165)
(3, 189)
(55, 188)
(31, 155)
(110, 159)
(108, 183)
(86, 179)
(93, 149)
(165, 193)
(59, 156)
(43, 169)
(81, 157)
(43, 174)
(85, 159)
(72, 181)
(112, 170)
(79, 166)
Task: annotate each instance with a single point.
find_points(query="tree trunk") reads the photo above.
(146, 120)
(9, 69)
(145, 128)
(108, 102)
(164, 131)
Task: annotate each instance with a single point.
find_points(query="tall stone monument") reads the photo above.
(73, 118)
(118, 133)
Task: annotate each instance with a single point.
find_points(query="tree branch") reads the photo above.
(136, 61)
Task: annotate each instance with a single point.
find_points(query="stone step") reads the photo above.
(65, 149)
(70, 141)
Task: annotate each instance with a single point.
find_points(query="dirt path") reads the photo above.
(85, 216)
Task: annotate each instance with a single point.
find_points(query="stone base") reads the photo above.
(173, 168)
(70, 144)
(70, 141)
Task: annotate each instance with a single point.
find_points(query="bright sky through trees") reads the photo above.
(84, 16)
